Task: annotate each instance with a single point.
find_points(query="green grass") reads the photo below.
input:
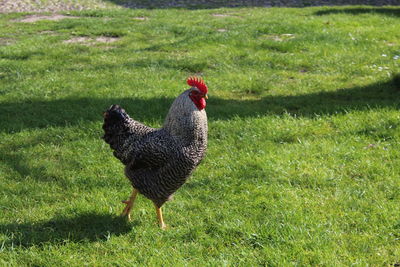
(303, 161)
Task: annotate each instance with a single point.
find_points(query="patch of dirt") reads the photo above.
(37, 17)
(6, 41)
(390, 43)
(105, 39)
(223, 15)
(219, 15)
(222, 30)
(226, 15)
(91, 41)
(53, 6)
(48, 32)
(140, 18)
(78, 40)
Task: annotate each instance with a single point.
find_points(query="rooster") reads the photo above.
(159, 161)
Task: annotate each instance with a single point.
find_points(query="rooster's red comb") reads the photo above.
(198, 83)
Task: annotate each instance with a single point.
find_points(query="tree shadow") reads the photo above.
(201, 4)
(77, 112)
(188, 4)
(67, 112)
(88, 227)
(14, 157)
(393, 12)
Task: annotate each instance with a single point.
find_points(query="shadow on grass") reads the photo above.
(201, 4)
(188, 4)
(394, 12)
(31, 114)
(18, 116)
(88, 227)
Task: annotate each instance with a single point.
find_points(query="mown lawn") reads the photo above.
(303, 162)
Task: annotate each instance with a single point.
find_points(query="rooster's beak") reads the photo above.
(206, 96)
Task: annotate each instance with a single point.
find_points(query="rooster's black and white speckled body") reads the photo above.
(159, 161)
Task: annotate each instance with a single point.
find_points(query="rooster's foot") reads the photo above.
(127, 209)
(129, 204)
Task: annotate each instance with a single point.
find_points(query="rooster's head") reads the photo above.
(198, 92)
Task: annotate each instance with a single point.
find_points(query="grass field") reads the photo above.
(303, 162)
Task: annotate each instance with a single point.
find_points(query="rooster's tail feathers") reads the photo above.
(114, 119)
(114, 114)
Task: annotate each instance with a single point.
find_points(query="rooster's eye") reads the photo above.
(196, 93)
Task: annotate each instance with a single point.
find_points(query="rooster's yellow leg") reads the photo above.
(160, 218)
(129, 204)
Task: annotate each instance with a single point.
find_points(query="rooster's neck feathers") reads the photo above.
(186, 121)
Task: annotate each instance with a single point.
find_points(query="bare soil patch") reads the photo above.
(38, 17)
(48, 32)
(6, 41)
(78, 40)
(225, 15)
(390, 43)
(53, 6)
(219, 15)
(91, 41)
(140, 18)
(106, 39)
